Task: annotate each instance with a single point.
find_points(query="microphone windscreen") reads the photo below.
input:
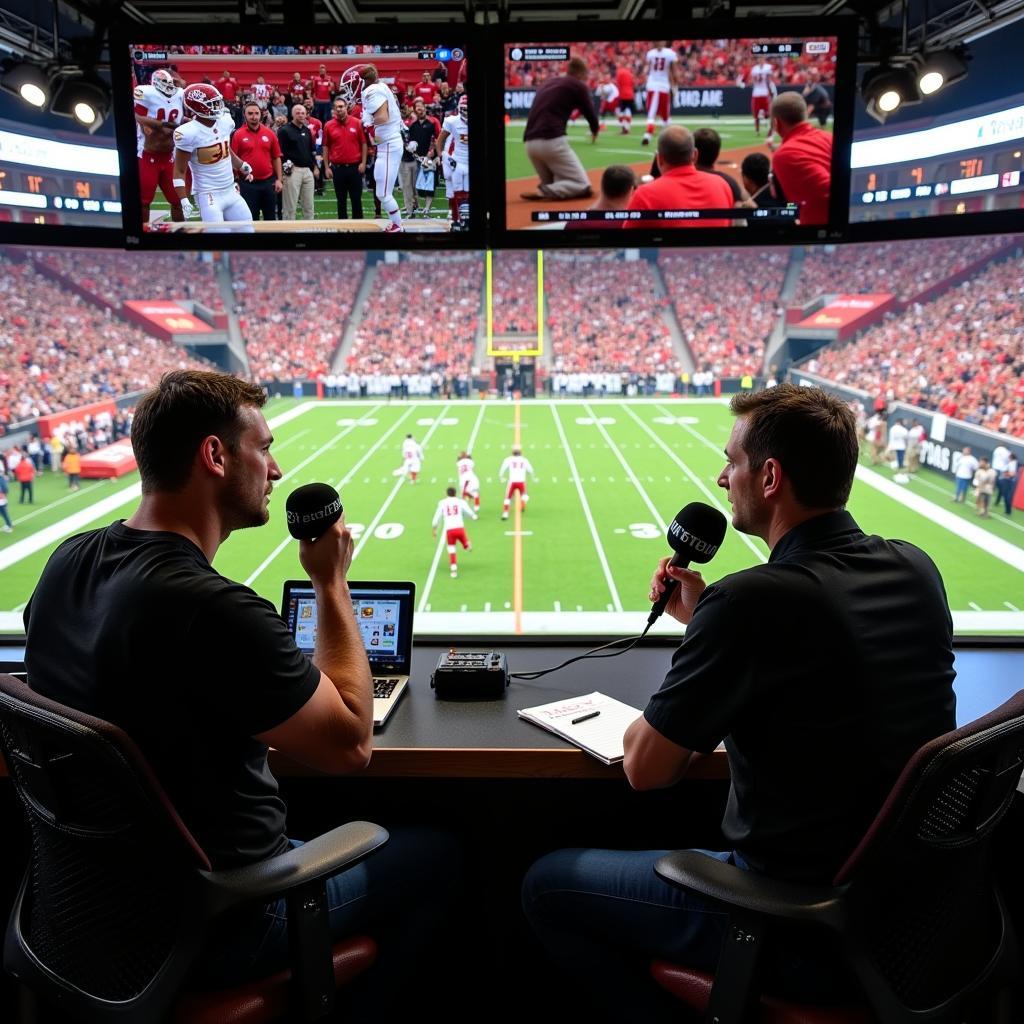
(697, 532)
(312, 509)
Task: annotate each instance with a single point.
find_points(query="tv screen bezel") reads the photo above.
(467, 36)
(844, 29)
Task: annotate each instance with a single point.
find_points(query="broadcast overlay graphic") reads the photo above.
(606, 477)
(636, 89)
(299, 139)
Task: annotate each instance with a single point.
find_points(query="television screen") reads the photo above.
(352, 144)
(662, 133)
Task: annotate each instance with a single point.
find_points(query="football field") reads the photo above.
(610, 476)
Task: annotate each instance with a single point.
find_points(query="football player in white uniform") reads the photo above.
(203, 145)
(469, 482)
(451, 509)
(158, 111)
(661, 76)
(412, 459)
(383, 121)
(516, 467)
(453, 144)
(762, 81)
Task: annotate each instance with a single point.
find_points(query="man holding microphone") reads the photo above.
(258, 146)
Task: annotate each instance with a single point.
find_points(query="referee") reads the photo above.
(345, 150)
(258, 145)
(297, 148)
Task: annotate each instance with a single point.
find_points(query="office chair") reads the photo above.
(117, 898)
(915, 911)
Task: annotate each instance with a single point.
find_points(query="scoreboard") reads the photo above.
(52, 181)
(970, 165)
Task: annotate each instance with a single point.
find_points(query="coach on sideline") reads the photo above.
(298, 147)
(561, 174)
(258, 145)
(204, 675)
(345, 150)
(819, 691)
(802, 164)
(680, 186)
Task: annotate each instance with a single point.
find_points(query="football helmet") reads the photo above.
(203, 100)
(350, 85)
(163, 82)
(463, 107)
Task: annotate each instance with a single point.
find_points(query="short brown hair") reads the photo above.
(173, 418)
(810, 432)
(577, 67)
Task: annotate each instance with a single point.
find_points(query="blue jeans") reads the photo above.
(604, 915)
(961, 488)
(398, 895)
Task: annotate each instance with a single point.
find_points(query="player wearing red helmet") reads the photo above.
(158, 111)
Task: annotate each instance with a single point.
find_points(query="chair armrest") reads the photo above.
(326, 855)
(728, 884)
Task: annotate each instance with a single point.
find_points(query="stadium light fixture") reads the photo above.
(26, 80)
(82, 96)
(886, 89)
(943, 67)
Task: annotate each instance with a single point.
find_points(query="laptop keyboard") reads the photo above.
(383, 687)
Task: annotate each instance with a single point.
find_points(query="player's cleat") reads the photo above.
(392, 229)
(504, 515)
(646, 141)
(455, 572)
(470, 547)
(625, 131)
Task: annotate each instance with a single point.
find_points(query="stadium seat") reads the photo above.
(915, 910)
(93, 933)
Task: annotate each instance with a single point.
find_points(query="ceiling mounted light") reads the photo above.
(943, 67)
(27, 81)
(85, 97)
(886, 89)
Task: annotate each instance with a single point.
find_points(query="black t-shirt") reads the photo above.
(136, 627)
(823, 671)
(817, 97)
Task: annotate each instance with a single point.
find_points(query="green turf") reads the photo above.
(612, 147)
(631, 464)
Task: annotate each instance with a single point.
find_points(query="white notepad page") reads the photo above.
(601, 736)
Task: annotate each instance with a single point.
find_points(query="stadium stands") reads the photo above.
(421, 317)
(727, 301)
(514, 292)
(58, 351)
(904, 269)
(603, 315)
(117, 277)
(293, 314)
(964, 349)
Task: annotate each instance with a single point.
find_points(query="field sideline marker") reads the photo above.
(517, 540)
(586, 511)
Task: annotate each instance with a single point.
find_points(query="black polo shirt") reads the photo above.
(297, 144)
(823, 671)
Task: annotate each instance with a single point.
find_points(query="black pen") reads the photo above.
(583, 718)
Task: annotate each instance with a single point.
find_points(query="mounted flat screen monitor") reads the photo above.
(345, 142)
(957, 172)
(589, 109)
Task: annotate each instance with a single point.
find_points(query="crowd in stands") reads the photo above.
(701, 63)
(257, 50)
(118, 277)
(604, 316)
(514, 292)
(962, 353)
(727, 302)
(293, 315)
(904, 269)
(58, 351)
(416, 321)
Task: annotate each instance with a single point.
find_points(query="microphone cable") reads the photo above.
(631, 640)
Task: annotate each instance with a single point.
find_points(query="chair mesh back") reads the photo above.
(111, 876)
(920, 886)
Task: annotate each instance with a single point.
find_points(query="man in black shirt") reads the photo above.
(561, 174)
(298, 149)
(819, 103)
(756, 171)
(707, 144)
(203, 674)
(823, 671)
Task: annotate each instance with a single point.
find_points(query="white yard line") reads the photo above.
(476, 427)
(663, 526)
(345, 479)
(586, 511)
(696, 480)
(368, 532)
(970, 532)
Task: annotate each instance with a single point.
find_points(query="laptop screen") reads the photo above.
(383, 615)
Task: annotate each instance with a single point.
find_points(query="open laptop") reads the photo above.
(384, 615)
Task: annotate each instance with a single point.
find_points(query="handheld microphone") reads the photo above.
(312, 509)
(695, 535)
